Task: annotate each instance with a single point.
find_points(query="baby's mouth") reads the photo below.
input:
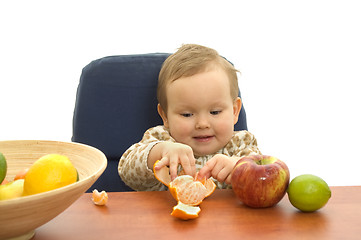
(203, 138)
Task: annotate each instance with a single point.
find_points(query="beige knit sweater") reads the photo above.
(134, 171)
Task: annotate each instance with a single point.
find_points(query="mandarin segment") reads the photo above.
(202, 180)
(99, 198)
(210, 186)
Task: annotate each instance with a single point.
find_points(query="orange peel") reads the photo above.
(162, 174)
(185, 212)
(210, 186)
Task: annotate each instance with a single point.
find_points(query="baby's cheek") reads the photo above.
(180, 132)
(225, 128)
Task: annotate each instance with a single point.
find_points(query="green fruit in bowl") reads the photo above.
(3, 167)
(308, 192)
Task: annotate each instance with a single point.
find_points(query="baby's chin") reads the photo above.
(204, 152)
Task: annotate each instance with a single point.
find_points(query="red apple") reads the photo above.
(260, 181)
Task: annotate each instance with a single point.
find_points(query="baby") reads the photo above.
(199, 105)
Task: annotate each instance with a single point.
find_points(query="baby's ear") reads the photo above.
(237, 105)
(163, 115)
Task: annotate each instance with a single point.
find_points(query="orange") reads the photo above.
(21, 174)
(208, 183)
(99, 198)
(185, 212)
(185, 188)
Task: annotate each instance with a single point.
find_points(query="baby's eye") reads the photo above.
(186, 114)
(216, 112)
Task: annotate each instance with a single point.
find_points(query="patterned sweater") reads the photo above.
(134, 171)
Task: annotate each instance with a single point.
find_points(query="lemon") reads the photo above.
(49, 172)
(12, 189)
(308, 192)
(3, 167)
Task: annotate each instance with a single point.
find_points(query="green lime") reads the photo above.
(3, 167)
(308, 192)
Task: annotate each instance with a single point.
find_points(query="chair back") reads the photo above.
(115, 104)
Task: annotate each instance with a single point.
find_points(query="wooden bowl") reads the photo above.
(20, 217)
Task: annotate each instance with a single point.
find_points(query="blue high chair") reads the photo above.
(115, 104)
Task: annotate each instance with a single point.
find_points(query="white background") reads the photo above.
(300, 64)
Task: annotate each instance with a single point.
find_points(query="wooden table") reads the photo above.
(146, 215)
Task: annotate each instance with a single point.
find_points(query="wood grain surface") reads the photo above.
(146, 215)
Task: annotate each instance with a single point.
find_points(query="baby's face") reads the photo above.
(201, 112)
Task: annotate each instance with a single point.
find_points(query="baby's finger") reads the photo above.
(173, 167)
(188, 165)
(163, 162)
(193, 164)
(228, 179)
(206, 170)
(222, 175)
(216, 171)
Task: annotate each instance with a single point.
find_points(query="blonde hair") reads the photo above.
(191, 59)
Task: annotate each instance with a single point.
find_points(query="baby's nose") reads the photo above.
(202, 122)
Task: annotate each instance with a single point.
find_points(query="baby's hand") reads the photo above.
(219, 167)
(174, 154)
